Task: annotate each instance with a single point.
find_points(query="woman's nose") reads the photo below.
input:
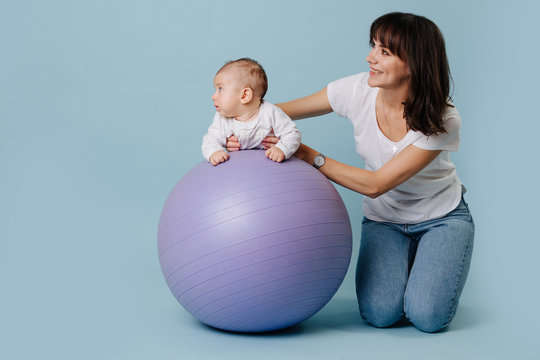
(370, 58)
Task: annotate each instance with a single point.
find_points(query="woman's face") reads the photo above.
(388, 71)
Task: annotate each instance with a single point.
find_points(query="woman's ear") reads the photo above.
(247, 95)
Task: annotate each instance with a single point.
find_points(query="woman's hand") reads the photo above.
(270, 140)
(232, 144)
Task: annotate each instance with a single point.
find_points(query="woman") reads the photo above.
(417, 233)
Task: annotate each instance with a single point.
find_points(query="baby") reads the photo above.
(240, 88)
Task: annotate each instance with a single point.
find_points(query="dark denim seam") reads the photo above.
(459, 280)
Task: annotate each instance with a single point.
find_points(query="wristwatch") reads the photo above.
(319, 161)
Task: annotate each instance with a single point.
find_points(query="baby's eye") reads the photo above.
(220, 89)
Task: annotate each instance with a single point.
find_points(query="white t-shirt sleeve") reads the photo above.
(449, 140)
(347, 94)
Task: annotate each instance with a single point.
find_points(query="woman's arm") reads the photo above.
(309, 106)
(373, 183)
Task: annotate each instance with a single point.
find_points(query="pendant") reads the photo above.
(394, 148)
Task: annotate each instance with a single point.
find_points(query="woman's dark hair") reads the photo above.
(420, 44)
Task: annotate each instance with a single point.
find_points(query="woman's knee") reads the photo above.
(380, 315)
(428, 318)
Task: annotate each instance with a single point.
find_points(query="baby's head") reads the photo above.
(247, 73)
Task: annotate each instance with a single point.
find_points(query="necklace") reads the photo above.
(394, 147)
(250, 115)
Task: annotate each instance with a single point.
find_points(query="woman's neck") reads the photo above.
(394, 99)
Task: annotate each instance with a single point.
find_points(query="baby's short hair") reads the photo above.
(251, 74)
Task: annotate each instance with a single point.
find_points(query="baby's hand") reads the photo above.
(219, 157)
(275, 154)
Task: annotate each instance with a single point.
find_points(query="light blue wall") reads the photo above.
(103, 105)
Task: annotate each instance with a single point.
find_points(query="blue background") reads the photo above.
(102, 108)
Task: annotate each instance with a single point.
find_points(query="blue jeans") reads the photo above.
(417, 271)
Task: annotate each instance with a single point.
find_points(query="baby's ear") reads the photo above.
(247, 95)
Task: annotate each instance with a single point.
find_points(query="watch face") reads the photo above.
(318, 160)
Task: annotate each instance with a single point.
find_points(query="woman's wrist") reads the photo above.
(305, 153)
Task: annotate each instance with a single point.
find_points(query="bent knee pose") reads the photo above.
(414, 270)
(417, 234)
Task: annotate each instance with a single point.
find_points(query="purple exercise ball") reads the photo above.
(252, 245)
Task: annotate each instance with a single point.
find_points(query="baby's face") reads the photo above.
(228, 94)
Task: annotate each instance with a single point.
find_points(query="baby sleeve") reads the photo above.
(284, 128)
(215, 139)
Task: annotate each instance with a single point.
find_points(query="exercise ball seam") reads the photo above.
(256, 274)
(239, 216)
(264, 294)
(259, 237)
(179, 217)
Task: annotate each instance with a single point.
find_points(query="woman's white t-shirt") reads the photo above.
(431, 193)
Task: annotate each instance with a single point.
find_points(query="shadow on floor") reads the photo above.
(342, 314)
(339, 314)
